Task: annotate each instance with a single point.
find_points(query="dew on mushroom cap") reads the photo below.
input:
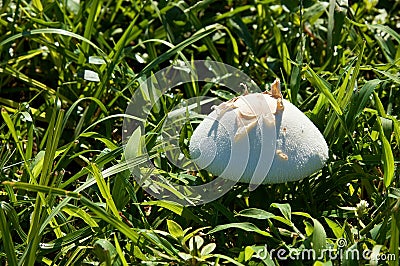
(258, 136)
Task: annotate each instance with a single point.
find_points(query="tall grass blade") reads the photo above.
(111, 220)
(360, 100)
(104, 189)
(30, 33)
(6, 238)
(387, 157)
(325, 88)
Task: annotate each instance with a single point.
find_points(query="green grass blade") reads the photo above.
(18, 143)
(174, 207)
(11, 128)
(111, 220)
(295, 76)
(318, 237)
(248, 227)
(42, 189)
(53, 136)
(387, 157)
(35, 83)
(76, 104)
(395, 238)
(119, 251)
(354, 75)
(75, 211)
(89, 28)
(331, 23)
(324, 87)
(202, 33)
(360, 100)
(386, 29)
(104, 189)
(26, 34)
(206, 39)
(14, 219)
(8, 243)
(282, 49)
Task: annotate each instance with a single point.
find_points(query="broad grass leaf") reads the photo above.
(308, 228)
(295, 76)
(352, 84)
(195, 243)
(392, 77)
(175, 229)
(302, 214)
(37, 164)
(336, 229)
(248, 253)
(207, 249)
(174, 207)
(320, 263)
(248, 227)
(387, 157)
(285, 209)
(54, 131)
(232, 12)
(37, 4)
(314, 12)
(283, 220)
(223, 94)
(105, 252)
(109, 143)
(133, 147)
(76, 104)
(256, 214)
(318, 237)
(388, 48)
(359, 100)
(75, 211)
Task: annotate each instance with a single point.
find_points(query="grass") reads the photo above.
(68, 70)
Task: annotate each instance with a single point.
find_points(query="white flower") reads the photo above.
(362, 208)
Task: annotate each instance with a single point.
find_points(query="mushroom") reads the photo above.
(258, 138)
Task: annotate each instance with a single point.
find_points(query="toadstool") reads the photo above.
(258, 138)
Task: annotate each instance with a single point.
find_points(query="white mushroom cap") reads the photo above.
(258, 136)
